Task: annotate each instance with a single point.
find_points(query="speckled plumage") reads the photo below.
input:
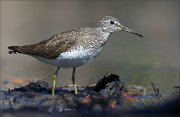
(75, 47)
(87, 44)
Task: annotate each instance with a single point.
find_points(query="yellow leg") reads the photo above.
(54, 81)
(53, 84)
(75, 88)
(73, 81)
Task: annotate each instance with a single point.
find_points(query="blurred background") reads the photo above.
(155, 58)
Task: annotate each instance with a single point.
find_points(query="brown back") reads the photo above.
(51, 48)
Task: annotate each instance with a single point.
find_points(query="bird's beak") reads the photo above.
(123, 28)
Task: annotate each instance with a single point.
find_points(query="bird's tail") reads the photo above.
(14, 49)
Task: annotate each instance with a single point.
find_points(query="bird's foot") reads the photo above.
(53, 84)
(75, 88)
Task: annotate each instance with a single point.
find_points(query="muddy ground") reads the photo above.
(108, 97)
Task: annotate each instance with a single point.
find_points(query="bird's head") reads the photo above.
(111, 24)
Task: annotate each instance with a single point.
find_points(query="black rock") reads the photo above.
(109, 85)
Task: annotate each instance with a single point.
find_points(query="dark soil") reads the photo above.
(109, 97)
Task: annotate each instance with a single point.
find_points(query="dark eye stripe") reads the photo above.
(111, 22)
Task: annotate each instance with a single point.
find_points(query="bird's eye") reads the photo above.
(112, 22)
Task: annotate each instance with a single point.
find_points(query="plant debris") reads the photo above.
(108, 95)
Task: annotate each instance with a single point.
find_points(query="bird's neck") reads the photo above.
(103, 36)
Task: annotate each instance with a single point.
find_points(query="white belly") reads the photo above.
(72, 58)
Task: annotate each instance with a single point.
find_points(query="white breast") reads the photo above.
(73, 58)
(77, 56)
